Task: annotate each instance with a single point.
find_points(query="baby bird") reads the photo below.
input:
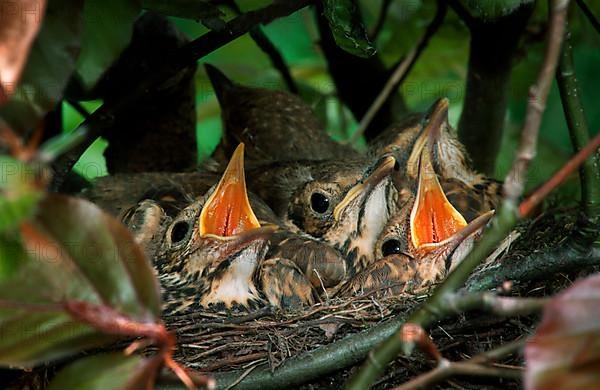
(214, 253)
(361, 215)
(428, 236)
(275, 125)
(470, 191)
(304, 193)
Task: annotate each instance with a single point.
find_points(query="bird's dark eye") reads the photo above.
(396, 166)
(319, 202)
(179, 231)
(391, 247)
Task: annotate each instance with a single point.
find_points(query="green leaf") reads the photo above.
(10, 249)
(493, 9)
(108, 25)
(107, 371)
(347, 27)
(71, 251)
(19, 195)
(51, 62)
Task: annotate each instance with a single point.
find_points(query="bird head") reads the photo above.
(216, 242)
(312, 205)
(448, 155)
(360, 216)
(428, 227)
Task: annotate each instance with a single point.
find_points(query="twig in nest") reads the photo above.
(472, 367)
(447, 369)
(400, 73)
(505, 306)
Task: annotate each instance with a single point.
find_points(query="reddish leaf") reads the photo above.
(49, 66)
(74, 260)
(20, 21)
(564, 353)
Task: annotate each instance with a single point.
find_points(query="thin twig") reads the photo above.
(505, 306)
(538, 95)
(266, 45)
(400, 73)
(79, 108)
(385, 5)
(241, 378)
(589, 173)
(589, 14)
(538, 195)
(167, 74)
(472, 367)
(449, 369)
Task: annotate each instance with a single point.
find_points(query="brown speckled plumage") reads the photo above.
(274, 125)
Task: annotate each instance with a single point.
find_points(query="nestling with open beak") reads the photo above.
(425, 239)
(213, 253)
(471, 192)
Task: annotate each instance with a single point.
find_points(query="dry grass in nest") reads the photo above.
(210, 342)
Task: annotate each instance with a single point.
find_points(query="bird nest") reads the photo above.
(225, 341)
(212, 342)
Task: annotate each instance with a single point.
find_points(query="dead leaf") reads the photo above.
(330, 329)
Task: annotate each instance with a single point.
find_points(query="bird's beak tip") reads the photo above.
(433, 218)
(227, 211)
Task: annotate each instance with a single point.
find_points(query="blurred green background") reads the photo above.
(440, 71)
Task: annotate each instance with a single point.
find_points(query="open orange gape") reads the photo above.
(433, 219)
(227, 211)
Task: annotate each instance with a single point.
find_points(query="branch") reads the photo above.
(493, 46)
(168, 74)
(589, 173)
(385, 5)
(538, 265)
(264, 43)
(538, 95)
(563, 173)
(261, 39)
(589, 15)
(449, 369)
(400, 72)
(357, 93)
(503, 306)
(436, 308)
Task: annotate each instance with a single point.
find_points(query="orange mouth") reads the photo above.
(227, 211)
(433, 218)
